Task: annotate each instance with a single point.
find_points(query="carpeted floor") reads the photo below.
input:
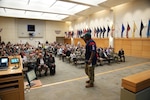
(69, 81)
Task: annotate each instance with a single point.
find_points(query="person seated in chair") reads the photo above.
(52, 65)
(41, 65)
(31, 62)
(121, 55)
(46, 57)
(73, 57)
(64, 54)
(105, 56)
(99, 59)
(68, 52)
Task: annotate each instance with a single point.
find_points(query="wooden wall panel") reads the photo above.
(117, 45)
(145, 48)
(126, 47)
(136, 42)
(67, 40)
(138, 47)
(146, 42)
(146, 54)
(136, 53)
(101, 42)
(118, 42)
(76, 40)
(126, 42)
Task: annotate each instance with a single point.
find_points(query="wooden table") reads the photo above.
(137, 82)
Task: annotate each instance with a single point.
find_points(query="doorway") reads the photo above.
(60, 39)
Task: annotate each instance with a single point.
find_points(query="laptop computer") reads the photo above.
(4, 63)
(14, 60)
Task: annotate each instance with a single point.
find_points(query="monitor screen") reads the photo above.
(31, 27)
(31, 76)
(4, 62)
(14, 60)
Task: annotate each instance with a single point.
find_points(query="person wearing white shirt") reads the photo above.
(41, 65)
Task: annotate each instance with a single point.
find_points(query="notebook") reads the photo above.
(3, 63)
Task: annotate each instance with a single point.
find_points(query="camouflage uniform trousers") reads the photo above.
(89, 70)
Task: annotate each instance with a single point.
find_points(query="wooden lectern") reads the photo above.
(12, 81)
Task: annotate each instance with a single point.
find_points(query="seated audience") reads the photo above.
(68, 52)
(99, 59)
(59, 52)
(31, 62)
(52, 65)
(41, 65)
(73, 57)
(78, 53)
(64, 54)
(105, 56)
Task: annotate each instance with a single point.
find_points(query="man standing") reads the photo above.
(90, 57)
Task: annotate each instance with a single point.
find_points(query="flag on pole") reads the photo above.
(122, 30)
(134, 29)
(128, 29)
(108, 30)
(101, 31)
(104, 30)
(141, 28)
(148, 29)
(97, 31)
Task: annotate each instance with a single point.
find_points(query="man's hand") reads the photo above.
(89, 61)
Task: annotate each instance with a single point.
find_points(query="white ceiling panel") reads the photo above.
(78, 8)
(14, 12)
(53, 16)
(13, 3)
(60, 10)
(46, 3)
(68, 8)
(63, 5)
(2, 10)
(31, 13)
(90, 2)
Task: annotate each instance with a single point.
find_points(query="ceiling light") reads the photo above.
(89, 2)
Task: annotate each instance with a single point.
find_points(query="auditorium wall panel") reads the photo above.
(138, 47)
(102, 42)
(67, 40)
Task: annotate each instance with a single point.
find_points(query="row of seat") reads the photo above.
(100, 61)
